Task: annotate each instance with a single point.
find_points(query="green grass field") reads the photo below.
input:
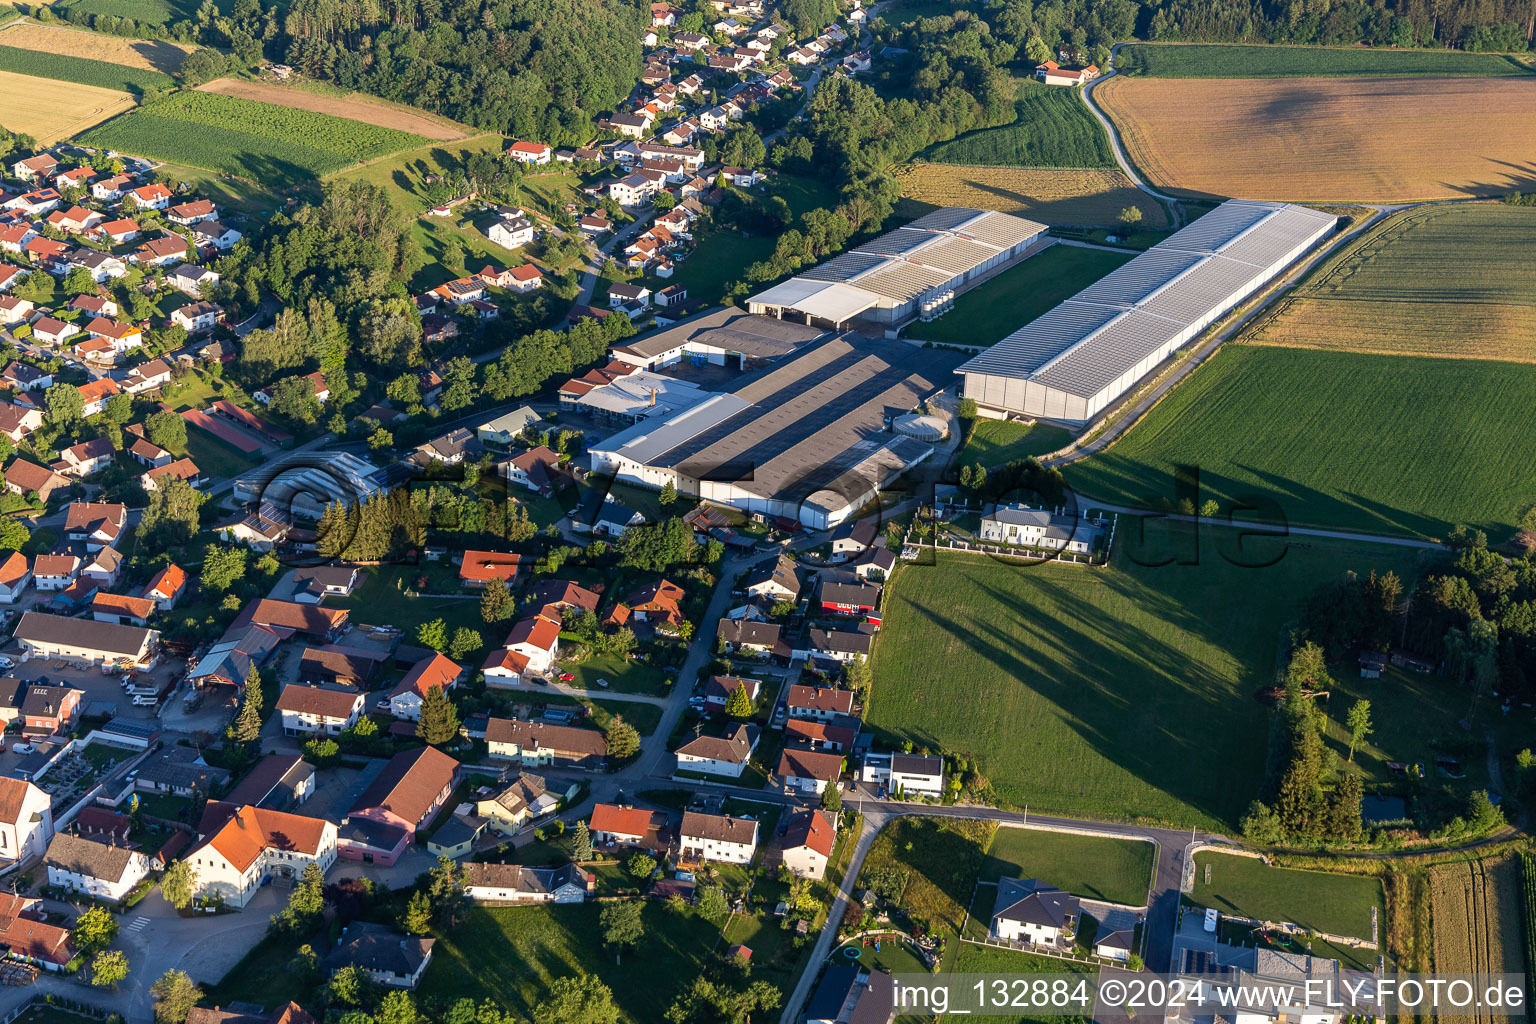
(146, 12)
(511, 955)
(1123, 693)
(246, 138)
(1219, 61)
(380, 600)
(1389, 444)
(1339, 904)
(214, 457)
(1093, 867)
(1053, 129)
(996, 308)
(79, 69)
(937, 859)
(994, 442)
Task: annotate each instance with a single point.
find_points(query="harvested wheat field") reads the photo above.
(1090, 198)
(353, 106)
(149, 54)
(1475, 915)
(50, 110)
(1329, 139)
(1452, 281)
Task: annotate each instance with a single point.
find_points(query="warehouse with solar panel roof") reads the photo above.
(1073, 363)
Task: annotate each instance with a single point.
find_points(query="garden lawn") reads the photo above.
(1217, 61)
(644, 717)
(261, 977)
(378, 601)
(968, 958)
(1123, 693)
(996, 308)
(995, 443)
(511, 955)
(1093, 867)
(1386, 444)
(623, 676)
(937, 859)
(1319, 902)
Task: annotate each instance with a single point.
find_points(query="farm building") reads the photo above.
(890, 279)
(807, 438)
(1074, 361)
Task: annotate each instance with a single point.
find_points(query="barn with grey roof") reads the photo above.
(1077, 359)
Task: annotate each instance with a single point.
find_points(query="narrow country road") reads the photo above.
(1172, 203)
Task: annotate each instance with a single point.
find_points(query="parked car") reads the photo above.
(7, 663)
(603, 683)
(566, 677)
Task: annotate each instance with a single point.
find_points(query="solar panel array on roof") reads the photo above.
(1132, 318)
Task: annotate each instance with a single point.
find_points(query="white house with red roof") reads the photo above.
(536, 638)
(807, 845)
(166, 587)
(532, 153)
(405, 699)
(151, 197)
(255, 844)
(1052, 73)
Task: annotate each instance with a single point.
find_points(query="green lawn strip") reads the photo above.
(995, 309)
(214, 457)
(511, 955)
(994, 443)
(1221, 61)
(380, 600)
(1093, 867)
(1337, 439)
(1053, 129)
(623, 675)
(1123, 693)
(100, 73)
(970, 958)
(1315, 900)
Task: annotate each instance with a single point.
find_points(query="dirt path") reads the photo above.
(354, 107)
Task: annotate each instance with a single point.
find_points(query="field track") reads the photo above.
(1328, 139)
(1091, 197)
(49, 110)
(148, 54)
(354, 107)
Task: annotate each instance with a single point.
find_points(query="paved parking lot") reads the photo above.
(98, 687)
(337, 788)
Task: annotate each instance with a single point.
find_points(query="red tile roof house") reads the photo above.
(405, 796)
(23, 477)
(166, 587)
(536, 638)
(405, 699)
(534, 469)
(97, 524)
(659, 604)
(809, 771)
(477, 568)
(819, 702)
(614, 825)
(15, 574)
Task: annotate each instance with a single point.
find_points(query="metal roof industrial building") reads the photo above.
(1074, 361)
(807, 439)
(888, 278)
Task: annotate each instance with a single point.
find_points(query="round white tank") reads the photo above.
(924, 428)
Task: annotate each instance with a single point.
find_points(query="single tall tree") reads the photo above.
(581, 843)
(496, 601)
(739, 705)
(179, 883)
(175, 994)
(439, 718)
(623, 740)
(1359, 722)
(622, 925)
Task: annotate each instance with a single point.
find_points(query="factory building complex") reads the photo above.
(822, 417)
(1074, 361)
(903, 273)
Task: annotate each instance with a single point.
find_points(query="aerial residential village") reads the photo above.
(417, 676)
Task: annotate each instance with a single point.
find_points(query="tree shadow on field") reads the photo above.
(1521, 177)
(163, 57)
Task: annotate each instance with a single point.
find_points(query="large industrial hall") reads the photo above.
(1074, 361)
(892, 278)
(811, 438)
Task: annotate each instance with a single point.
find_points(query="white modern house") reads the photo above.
(905, 774)
(1023, 526)
(716, 837)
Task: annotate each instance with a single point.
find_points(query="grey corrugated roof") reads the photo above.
(1108, 328)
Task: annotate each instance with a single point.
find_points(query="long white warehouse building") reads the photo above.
(1074, 361)
(887, 279)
